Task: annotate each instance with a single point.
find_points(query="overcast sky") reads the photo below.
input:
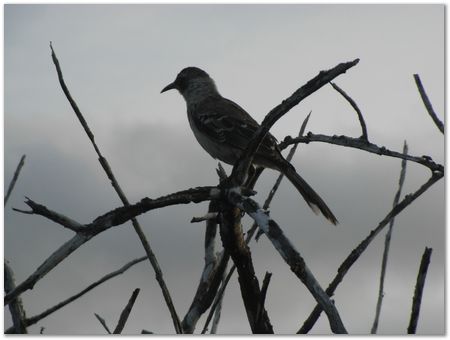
(117, 58)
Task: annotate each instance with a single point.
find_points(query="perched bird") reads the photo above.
(224, 130)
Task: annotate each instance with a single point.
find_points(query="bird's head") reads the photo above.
(193, 83)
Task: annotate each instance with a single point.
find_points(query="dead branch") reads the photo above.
(14, 179)
(211, 276)
(358, 143)
(252, 230)
(15, 306)
(104, 163)
(387, 244)
(34, 319)
(356, 253)
(126, 312)
(241, 167)
(417, 299)
(290, 256)
(233, 242)
(356, 108)
(113, 218)
(427, 104)
(102, 322)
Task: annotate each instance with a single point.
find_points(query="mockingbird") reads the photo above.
(224, 130)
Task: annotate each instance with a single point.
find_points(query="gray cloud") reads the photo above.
(116, 59)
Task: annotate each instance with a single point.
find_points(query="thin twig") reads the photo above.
(218, 312)
(102, 322)
(356, 108)
(387, 244)
(417, 299)
(427, 104)
(34, 319)
(254, 227)
(16, 307)
(356, 253)
(14, 179)
(264, 287)
(123, 198)
(126, 312)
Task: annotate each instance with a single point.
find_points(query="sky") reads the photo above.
(117, 58)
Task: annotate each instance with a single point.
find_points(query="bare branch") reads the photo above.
(265, 286)
(207, 217)
(113, 218)
(210, 278)
(241, 167)
(356, 108)
(387, 244)
(14, 179)
(126, 312)
(34, 319)
(427, 104)
(417, 299)
(16, 307)
(358, 143)
(218, 312)
(60, 219)
(356, 253)
(252, 230)
(123, 198)
(103, 322)
(290, 256)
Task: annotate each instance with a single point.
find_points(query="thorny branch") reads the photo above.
(123, 198)
(417, 299)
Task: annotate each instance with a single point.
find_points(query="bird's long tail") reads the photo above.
(311, 197)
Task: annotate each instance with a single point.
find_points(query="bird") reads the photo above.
(224, 130)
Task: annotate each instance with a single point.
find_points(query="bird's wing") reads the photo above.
(226, 122)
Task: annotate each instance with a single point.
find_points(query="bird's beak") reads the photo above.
(169, 87)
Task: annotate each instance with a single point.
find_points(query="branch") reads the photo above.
(358, 143)
(126, 312)
(16, 308)
(218, 312)
(417, 299)
(14, 179)
(290, 256)
(252, 230)
(356, 108)
(123, 198)
(113, 218)
(387, 244)
(34, 319)
(241, 167)
(234, 244)
(39, 209)
(211, 275)
(356, 253)
(427, 104)
(103, 322)
(265, 286)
